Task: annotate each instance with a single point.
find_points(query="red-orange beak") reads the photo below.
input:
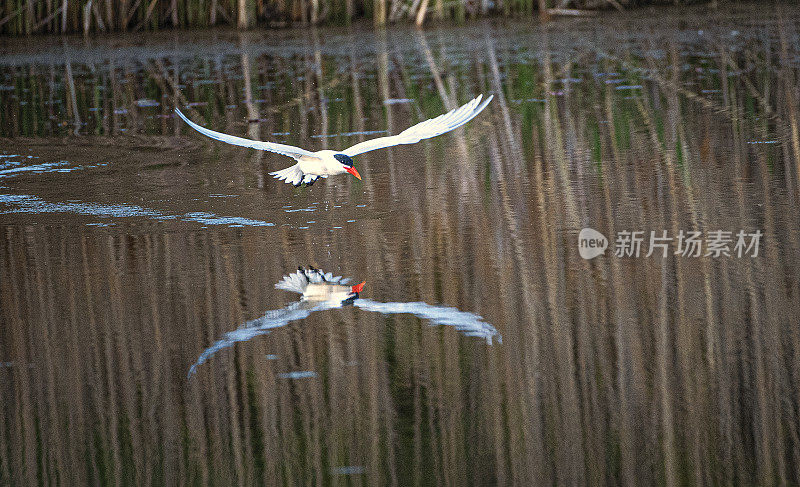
(353, 171)
(358, 287)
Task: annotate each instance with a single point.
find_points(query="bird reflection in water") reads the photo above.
(322, 291)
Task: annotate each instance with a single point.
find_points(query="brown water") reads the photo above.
(484, 350)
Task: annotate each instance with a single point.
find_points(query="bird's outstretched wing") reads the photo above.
(425, 130)
(286, 150)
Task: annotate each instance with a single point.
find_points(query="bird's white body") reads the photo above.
(308, 169)
(322, 163)
(316, 286)
(313, 165)
(327, 292)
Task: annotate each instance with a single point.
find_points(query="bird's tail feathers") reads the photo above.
(292, 174)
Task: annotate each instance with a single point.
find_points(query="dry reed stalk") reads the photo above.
(420, 17)
(46, 20)
(379, 12)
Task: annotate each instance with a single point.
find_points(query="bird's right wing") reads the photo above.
(425, 130)
(286, 150)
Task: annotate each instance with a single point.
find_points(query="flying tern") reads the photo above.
(311, 166)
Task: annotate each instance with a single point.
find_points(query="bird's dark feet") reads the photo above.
(310, 182)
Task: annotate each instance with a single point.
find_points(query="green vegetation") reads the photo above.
(25, 17)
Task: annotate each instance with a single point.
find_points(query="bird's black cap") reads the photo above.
(344, 159)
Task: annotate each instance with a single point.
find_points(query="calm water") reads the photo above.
(142, 340)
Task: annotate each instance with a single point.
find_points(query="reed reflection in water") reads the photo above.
(673, 370)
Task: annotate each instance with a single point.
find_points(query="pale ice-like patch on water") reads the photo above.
(295, 210)
(10, 168)
(348, 134)
(212, 219)
(349, 470)
(397, 101)
(147, 103)
(300, 374)
(23, 203)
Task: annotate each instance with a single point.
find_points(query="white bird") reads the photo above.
(316, 286)
(321, 164)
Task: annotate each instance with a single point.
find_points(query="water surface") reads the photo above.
(133, 249)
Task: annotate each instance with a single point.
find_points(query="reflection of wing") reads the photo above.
(259, 326)
(467, 323)
(286, 150)
(424, 130)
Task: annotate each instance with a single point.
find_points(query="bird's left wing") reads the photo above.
(425, 130)
(286, 150)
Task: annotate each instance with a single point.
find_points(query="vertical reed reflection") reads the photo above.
(617, 370)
